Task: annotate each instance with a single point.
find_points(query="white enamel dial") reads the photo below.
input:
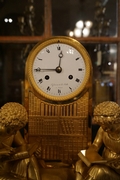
(58, 71)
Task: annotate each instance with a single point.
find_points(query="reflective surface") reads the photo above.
(98, 12)
(12, 64)
(104, 61)
(21, 17)
(18, 17)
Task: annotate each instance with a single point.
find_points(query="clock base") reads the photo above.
(63, 130)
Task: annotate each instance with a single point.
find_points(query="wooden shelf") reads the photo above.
(34, 39)
(20, 39)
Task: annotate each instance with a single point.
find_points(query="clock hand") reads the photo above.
(58, 69)
(39, 69)
(60, 56)
(48, 70)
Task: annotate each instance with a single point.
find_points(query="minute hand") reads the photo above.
(47, 69)
(39, 69)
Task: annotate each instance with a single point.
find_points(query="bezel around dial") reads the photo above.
(29, 69)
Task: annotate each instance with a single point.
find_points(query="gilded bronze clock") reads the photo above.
(58, 97)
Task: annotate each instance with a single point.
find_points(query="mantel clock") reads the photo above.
(58, 86)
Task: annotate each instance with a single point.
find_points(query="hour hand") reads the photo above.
(39, 69)
(60, 56)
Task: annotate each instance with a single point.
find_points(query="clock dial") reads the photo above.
(59, 70)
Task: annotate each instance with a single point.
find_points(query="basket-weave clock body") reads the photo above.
(58, 96)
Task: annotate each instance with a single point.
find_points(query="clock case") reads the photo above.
(62, 127)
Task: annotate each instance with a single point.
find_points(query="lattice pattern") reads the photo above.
(57, 126)
(41, 108)
(62, 129)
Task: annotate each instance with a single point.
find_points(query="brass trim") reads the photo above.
(65, 40)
